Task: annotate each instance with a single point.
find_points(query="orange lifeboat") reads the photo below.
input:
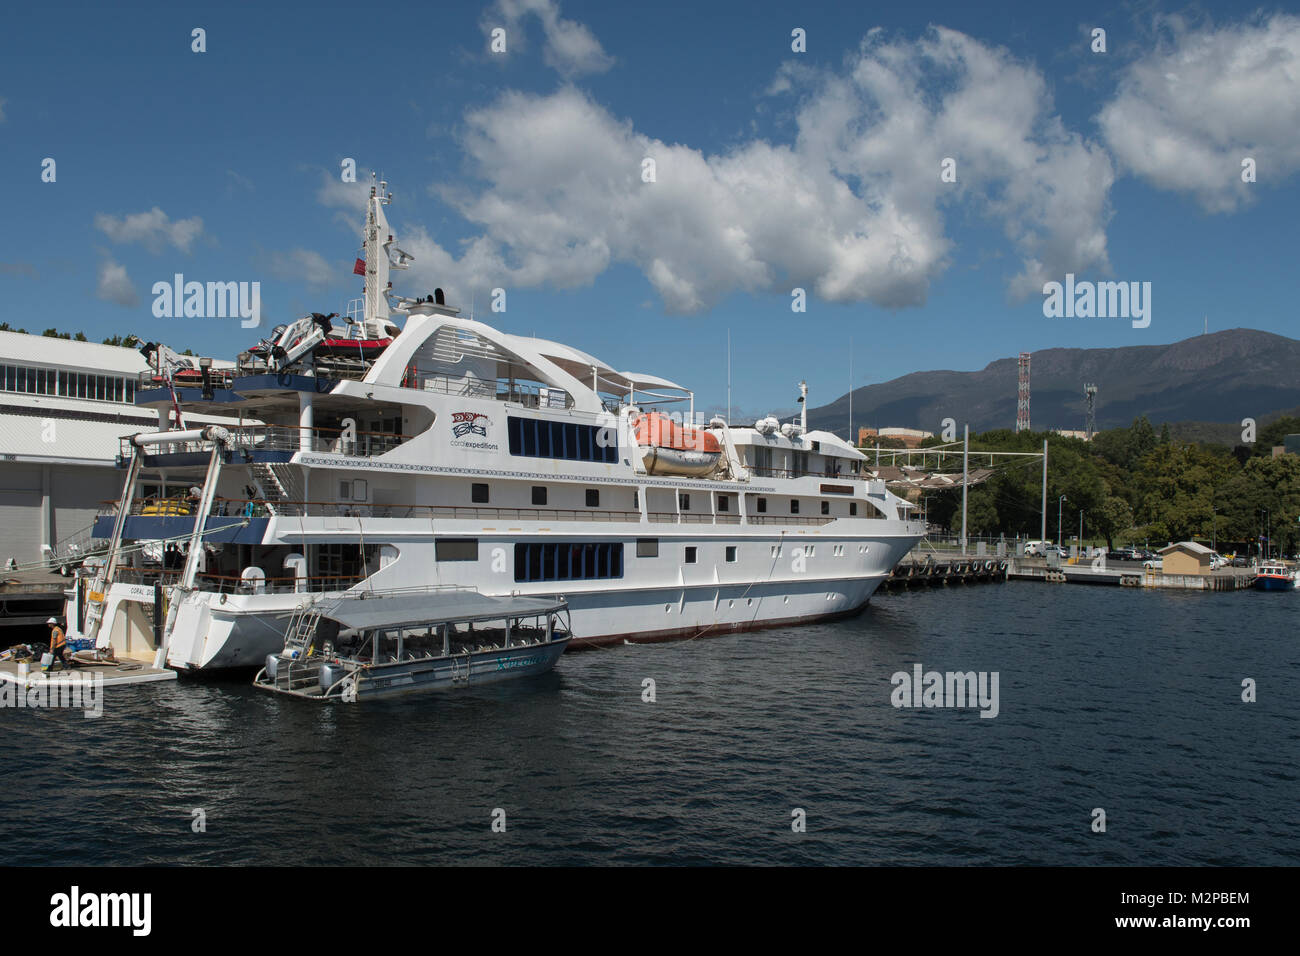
(670, 448)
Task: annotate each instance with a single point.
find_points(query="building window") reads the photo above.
(826, 507)
(690, 554)
(724, 503)
(684, 501)
(593, 498)
(539, 494)
(478, 493)
(731, 553)
(456, 549)
(762, 505)
(794, 506)
(538, 438)
(564, 561)
(647, 547)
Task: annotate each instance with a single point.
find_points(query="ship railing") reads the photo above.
(185, 378)
(688, 517)
(282, 584)
(337, 441)
(805, 473)
(257, 508)
(501, 389)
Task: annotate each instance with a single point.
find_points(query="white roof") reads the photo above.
(88, 357)
(1191, 546)
(83, 356)
(579, 364)
(75, 440)
(843, 449)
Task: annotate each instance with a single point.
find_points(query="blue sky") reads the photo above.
(775, 169)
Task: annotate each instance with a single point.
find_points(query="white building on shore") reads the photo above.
(63, 408)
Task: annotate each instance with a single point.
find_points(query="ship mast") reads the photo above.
(380, 248)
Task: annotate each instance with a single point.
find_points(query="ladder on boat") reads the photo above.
(277, 488)
(302, 628)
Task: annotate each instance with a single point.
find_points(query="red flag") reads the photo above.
(360, 268)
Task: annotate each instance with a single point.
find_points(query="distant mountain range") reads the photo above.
(1220, 377)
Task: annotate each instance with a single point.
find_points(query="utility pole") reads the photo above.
(1042, 535)
(1059, 502)
(965, 457)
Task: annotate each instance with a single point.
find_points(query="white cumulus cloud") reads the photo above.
(154, 229)
(853, 209)
(570, 47)
(115, 285)
(1185, 116)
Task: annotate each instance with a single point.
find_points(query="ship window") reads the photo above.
(731, 553)
(724, 503)
(826, 507)
(636, 500)
(762, 505)
(539, 494)
(593, 498)
(690, 554)
(478, 493)
(456, 549)
(538, 438)
(853, 507)
(684, 501)
(563, 561)
(794, 506)
(647, 547)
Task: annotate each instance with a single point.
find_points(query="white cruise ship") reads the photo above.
(420, 449)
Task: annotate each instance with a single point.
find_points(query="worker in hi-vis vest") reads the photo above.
(58, 644)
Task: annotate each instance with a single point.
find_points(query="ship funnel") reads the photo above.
(438, 297)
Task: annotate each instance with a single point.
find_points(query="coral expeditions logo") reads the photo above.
(465, 426)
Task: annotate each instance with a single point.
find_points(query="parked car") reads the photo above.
(1240, 561)
(1119, 556)
(1035, 547)
(1153, 564)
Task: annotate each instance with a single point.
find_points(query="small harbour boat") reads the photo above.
(1275, 576)
(365, 645)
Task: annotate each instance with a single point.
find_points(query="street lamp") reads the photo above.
(1081, 531)
(1058, 520)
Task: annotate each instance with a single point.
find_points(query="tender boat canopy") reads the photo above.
(452, 606)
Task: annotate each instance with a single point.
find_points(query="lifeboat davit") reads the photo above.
(669, 448)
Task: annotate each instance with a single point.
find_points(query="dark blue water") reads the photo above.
(1114, 698)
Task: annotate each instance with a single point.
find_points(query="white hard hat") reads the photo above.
(53, 620)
